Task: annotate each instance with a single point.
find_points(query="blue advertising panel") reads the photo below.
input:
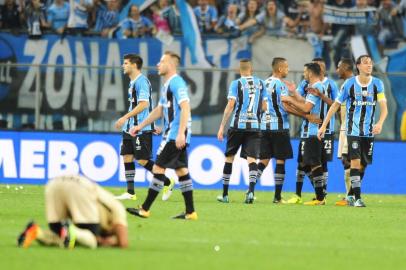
(34, 157)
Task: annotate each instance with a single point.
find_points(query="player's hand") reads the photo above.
(320, 133)
(180, 141)
(314, 118)
(313, 91)
(157, 130)
(220, 134)
(119, 123)
(291, 86)
(377, 129)
(134, 130)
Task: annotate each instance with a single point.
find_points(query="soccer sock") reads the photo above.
(318, 183)
(85, 237)
(356, 183)
(300, 174)
(129, 176)
(228, 167)
(261, 168)
(186, 186)
(325, 176)
(48, 238)
(347, 181)
(253, 171)
(279, 179)
(149, 165)
(155, 187)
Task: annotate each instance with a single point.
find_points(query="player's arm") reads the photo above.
(333, 109)
(154, 115)
(142, 105)
(118, 239)
(305, 107)
(384, 113)
(226, 116)
(184, 118)
(323, 97)
(313, 118)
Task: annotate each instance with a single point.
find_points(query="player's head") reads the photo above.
(344, 68)
(245, 67)
(131, 62)
(280, 67)
(168, 63)
(313, 72)
(321, 63)
(203, 3)
(365, 65)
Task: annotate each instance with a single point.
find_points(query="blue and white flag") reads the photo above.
(191, 34)
(349, 16)
(142, 4)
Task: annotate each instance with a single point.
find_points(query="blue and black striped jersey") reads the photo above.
(308, 128)
(331, 91)
(173, 93)
(275, 118)
(139, 90)
(248, 93)
(361, 103)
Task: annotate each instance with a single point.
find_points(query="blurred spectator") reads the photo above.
(35, 18)
(373, 3)
(136, 25)
(161, 24)
(227, 24)
(78, 19)
(107, 18)
(250, 13)
(10, 16)
(390, 24)
(341, 33)
(368, 28)
(172, 15)
(299, 19)
(58, 14)
(206, 16)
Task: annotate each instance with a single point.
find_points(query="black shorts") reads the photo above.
(169, 156)
(328, 147)
(249, 141)
(276, 145)
(361, 148)
(139, 146)
(310, 151)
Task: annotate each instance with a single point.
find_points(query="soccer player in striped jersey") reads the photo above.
(310, 147)
(246, 98)
(361, 93)
(140, 105)
(345, 71)
(327, 99)
(174, 107)
(275, 140)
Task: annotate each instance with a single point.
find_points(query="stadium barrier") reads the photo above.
(34, 157)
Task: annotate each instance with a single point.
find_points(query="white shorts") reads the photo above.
(342, 144)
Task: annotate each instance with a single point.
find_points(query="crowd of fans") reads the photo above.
(228, 18)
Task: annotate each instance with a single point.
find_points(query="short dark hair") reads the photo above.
(276, 61)
(134, 59)
(318, 59)
(245, 60)
(173, 55)
(360, 58)
(314, 68)
(349, 65)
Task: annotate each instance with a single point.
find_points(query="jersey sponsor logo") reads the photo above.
(363, 103)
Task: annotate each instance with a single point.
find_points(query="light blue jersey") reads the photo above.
(205, 18)
(140, 90)
(275, 118)
(302, 88)
(331, 91)
(173, 93)
(361, 104)
(308, 128)
(248, 93)
(58, 15)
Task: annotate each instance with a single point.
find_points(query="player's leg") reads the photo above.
(129, 171)
(155, 187)
(354, 151)
(312, 156)
(281, 149)
(251, 147)
(186, 186)
(279, 180)
(301, 172)
(253, 170)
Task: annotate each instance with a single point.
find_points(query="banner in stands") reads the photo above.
(34, 157)
(93, 91)
(349, 16)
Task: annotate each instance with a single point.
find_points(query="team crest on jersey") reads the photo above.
(364, 93)
(354, 145)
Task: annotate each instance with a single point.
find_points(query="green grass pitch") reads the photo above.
(258, 236)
